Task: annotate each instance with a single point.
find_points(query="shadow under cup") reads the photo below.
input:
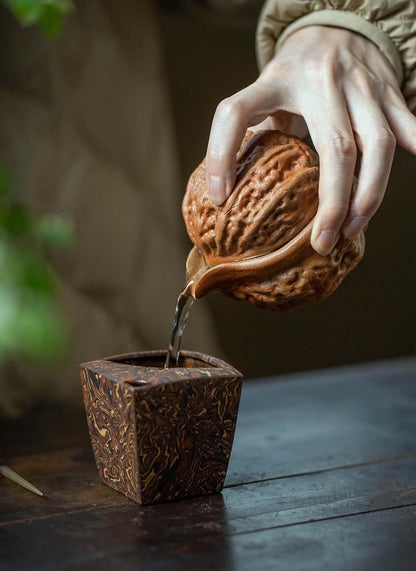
(161, 434)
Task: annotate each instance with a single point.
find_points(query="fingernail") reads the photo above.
(325, 242)
(354, 227)
(216, 189)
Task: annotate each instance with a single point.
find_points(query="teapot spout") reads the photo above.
(196, 268)
(202, 278)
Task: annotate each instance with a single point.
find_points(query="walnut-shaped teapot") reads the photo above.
(256, 245)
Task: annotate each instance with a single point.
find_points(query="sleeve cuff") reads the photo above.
(355, 23)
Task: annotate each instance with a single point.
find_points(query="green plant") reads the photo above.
(31, 323)
(48, 14)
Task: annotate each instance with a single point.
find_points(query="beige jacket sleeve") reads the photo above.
(390, 24)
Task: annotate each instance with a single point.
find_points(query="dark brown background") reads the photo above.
(208, 57)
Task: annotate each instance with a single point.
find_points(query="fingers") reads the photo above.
(231, 120)
(334, 141)
(377, 144)
(284, 121)
(227, 131)
(267, 124)
(401, 120)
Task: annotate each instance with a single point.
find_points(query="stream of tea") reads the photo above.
(183, 307)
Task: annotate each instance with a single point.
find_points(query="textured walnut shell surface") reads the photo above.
(275, 195)
(256, 245)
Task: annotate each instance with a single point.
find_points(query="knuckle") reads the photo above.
(321, 72)
(393, 94)
(215, 155)
(273, 69)
(342, 147)
(230, 108)
(384, 138)
(368, 206)
(333, 215)
(361, 79)
(323, 64)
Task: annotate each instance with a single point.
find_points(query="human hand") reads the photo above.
(349, 98)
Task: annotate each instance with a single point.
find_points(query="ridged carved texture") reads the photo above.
(256, 245)
(275, 195)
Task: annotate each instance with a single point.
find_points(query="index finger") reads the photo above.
(232, 118)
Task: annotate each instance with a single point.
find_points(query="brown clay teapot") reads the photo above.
(256, 245)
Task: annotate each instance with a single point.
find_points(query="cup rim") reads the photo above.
(212, 362)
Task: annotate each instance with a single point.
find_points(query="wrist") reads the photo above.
(321, 35)
(331, 41)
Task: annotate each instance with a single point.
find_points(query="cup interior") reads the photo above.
(157, 361)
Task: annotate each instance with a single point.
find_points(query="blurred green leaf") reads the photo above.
(51, 22)
(27, 12)
(32, 327)
(36, 276)
(14, 219)
(40, 330)
(48, 14)
(31, 323)
(6, 180)
(54, 231)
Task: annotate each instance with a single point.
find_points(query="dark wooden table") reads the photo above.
(322, 477)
